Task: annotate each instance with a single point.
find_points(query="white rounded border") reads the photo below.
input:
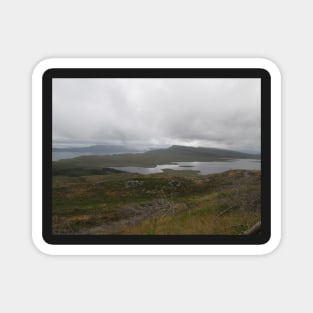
(156, 249)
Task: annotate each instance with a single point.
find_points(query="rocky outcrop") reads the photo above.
(133, 183)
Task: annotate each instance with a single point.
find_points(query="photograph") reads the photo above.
(156, 156)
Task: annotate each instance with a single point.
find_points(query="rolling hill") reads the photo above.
(152, 158)
(97, 149)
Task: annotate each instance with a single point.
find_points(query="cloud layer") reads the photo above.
(145, 112)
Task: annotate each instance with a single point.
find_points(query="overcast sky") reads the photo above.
(221, 113)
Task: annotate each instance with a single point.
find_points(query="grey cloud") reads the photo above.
(203, 112)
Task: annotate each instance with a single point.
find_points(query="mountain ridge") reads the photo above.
(204, 151)
(108, 149)
(153, 157)
(123, 149)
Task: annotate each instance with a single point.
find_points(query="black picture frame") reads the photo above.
(256, 239)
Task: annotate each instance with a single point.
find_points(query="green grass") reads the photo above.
(173, 202)
(75, 172)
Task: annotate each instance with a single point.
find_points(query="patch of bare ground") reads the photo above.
(134, 214)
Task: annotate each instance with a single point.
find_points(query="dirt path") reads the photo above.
(135, 214)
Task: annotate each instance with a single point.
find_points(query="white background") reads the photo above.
(34, 30)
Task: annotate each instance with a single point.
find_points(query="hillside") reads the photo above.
(89, 197)
(152, 158)
(167, 203)
(199, 153)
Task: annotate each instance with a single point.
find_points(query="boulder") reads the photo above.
(133, 183)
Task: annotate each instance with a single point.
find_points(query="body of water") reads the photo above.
(203, 168)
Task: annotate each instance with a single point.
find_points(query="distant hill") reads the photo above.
(200, 153)
(153, 157)
(97, 149)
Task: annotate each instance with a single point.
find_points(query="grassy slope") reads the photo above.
(174, 202)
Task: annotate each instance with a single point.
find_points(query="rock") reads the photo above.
(174, 183)
(133, 183)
